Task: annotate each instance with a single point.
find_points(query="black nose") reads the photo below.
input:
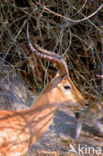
(77, 115)
(86, 104)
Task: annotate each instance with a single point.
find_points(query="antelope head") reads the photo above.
(63, 88)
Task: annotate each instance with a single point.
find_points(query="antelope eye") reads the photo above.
(68, 87)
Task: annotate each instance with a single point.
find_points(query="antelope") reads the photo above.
(20, 129)
(93, 114)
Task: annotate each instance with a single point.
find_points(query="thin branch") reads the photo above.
(90, 22)
(101, 76)
(80, 8)
(69, 19)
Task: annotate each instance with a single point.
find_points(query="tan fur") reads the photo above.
(20, 129)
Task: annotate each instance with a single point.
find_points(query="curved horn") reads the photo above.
(48, 55)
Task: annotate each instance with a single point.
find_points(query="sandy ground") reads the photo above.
(56, 141)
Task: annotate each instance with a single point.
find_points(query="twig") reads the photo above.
(101, 76)
(80, 8)
(90, 21)
(69, 19)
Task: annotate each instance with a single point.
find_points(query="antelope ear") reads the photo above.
(58, 73)
(64, 77)
(57, 79)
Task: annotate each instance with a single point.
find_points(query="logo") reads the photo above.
(72, 149)
(85, 149)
